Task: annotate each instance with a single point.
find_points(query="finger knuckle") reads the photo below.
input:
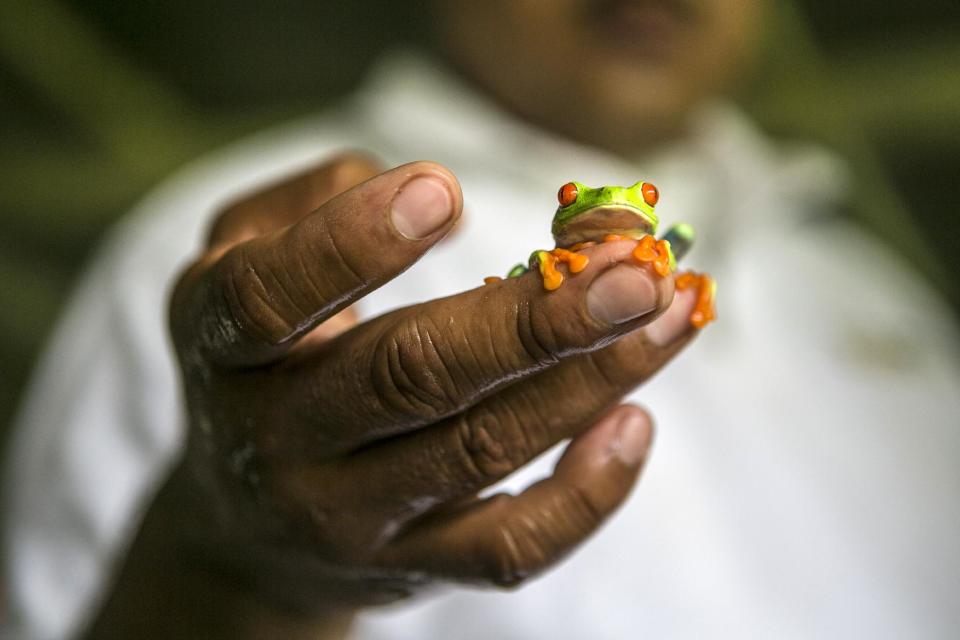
(184, 300)
(604, 374)
(341, 270)
(249, 303)
(536, 334)
(513, 554)
(578, 510)
(492, 444)
(413, 372)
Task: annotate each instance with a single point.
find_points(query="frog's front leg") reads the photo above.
(649, 250)
(664, 253)
(546, 262)
(657, 253)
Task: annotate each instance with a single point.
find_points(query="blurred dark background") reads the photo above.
(99, 99)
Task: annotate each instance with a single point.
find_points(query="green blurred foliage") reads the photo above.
(99, 99)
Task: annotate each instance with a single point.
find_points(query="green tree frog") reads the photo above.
(587, 216)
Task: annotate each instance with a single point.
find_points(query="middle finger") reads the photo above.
(462, 455)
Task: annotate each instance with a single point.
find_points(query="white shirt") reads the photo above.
(805, 480)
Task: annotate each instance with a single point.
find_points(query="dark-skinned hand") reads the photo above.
(331, 465)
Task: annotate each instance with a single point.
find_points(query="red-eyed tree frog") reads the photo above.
(587, 216)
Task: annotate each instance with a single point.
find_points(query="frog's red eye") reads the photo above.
(567, 194)
(650, 194)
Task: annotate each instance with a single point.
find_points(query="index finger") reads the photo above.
(417, 365)
(249, 305)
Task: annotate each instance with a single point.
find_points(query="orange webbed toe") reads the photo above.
(704, 312)
(649, 250)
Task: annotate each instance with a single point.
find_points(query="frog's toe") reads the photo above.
(547, 262)
(704, 312)
(655, 252)
(576, 262)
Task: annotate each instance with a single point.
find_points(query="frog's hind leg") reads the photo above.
(518, 270)
(705, 310)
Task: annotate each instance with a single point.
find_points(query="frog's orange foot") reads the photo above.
(655, 252)
(648, 250)
(576, 262)
(552, 278)
(548, 261)
(705, 310)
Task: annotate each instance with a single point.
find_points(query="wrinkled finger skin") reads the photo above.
(332, 465)
(246, 304)
(465, 453)
(416, 366)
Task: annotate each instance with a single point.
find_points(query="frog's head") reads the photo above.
(586, 214)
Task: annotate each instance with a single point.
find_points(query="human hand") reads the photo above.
(326, 470)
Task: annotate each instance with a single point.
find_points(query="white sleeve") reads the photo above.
(96, 433)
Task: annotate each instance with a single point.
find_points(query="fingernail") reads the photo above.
(620, 294)
(675, 322)
(633, 438)
(422, 206)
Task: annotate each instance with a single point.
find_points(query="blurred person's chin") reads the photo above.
(631, 58)
(618, 73)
